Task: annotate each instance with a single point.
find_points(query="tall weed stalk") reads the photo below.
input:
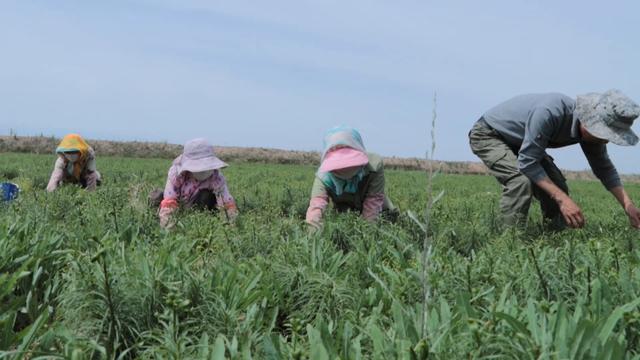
(425, 223)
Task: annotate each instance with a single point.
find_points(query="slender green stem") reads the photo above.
(426, 243)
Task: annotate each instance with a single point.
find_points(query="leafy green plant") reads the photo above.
(92, 275)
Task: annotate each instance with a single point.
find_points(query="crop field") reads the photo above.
(93, 276)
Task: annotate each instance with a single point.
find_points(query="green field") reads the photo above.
(91, 275)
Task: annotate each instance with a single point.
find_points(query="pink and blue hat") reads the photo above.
(342, 158)
(343, 148)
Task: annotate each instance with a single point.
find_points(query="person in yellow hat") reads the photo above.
(76, 164)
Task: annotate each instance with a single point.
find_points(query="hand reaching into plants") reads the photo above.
(314, 227)
(632, 211)
(167, 222)
(167, 208)
(634, 215)
(230, 212)
(571, 212)
(317, 204)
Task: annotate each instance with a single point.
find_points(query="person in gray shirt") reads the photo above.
(511, 139)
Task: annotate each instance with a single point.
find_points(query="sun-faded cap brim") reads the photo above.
(608, 116)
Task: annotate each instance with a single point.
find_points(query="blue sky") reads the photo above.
(279, 73)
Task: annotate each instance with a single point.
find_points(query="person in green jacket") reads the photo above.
(350, 177)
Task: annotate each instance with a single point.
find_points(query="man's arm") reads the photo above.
(632, 211)
(570, 210)
(537, 133)
(601, 164)
(604, 169)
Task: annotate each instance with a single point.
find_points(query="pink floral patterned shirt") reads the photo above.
(181, 187)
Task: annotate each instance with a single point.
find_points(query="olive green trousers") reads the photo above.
(517, 190)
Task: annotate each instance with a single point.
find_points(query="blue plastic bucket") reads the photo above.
(8, 191)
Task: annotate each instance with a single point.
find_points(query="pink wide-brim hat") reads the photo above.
(198, 155)
(343, 158)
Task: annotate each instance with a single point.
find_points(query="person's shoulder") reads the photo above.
(174, 172)
(175, 164)
(217, 179)
(60, 162)
(90, 161)
(376, 163)
(542, 98)
(558, 105)
(556, 99)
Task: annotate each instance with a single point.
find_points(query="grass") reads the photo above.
(91, 275)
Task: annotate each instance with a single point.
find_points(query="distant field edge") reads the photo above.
(163, 150)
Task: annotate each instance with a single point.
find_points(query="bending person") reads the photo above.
(195, 181)
(76, 164)
(350, 177)
(512, 138)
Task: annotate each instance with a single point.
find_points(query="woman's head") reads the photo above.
(199, 159)
(344, 161)
(72, 147)
(71, 156)
(202, 175)
(344, 154)
(347, 173)
(75, 151)
(342, 136)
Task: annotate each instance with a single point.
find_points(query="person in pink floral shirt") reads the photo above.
(195, 181)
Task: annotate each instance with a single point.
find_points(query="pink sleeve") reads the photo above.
(317, 204)
(172, 188)
(92, 180)
(57, 175)
(372, 206)
(169, 202)
(224, 199)
(223, 196)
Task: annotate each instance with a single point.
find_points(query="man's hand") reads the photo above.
(569, 209)
(634, 215)
(632, 211)
(571, 212)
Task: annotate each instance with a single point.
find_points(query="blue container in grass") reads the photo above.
(8, 191)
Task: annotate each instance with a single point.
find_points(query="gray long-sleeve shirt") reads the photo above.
(534, 122)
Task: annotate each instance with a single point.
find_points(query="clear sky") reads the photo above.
(279, 73)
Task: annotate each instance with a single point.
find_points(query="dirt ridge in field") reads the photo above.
(143, 149)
